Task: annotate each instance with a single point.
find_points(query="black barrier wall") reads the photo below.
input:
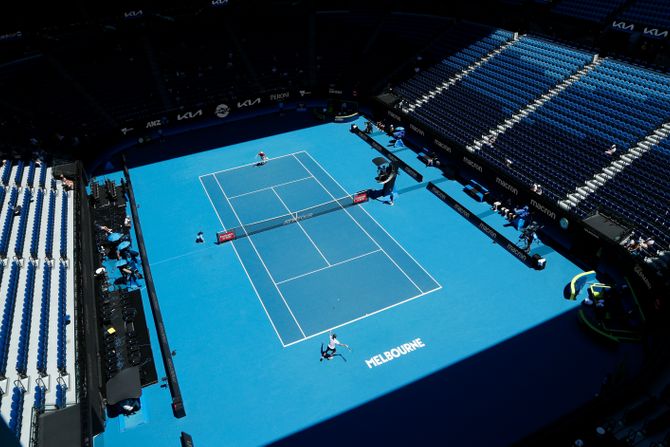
(88, 341)
(483, 226)
(177, 401)
(390, 155)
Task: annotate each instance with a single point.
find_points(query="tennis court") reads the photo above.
(244, 316)
(315, 259)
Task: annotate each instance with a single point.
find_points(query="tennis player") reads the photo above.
(263, 157)
(331, 349)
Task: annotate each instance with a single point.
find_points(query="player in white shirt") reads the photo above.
(331, 349)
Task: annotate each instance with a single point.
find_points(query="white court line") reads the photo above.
(259, 255)
(183, 255)
(361, 227)
(364, 316)
(253, 286)
(302, 228)
(326, 268)
(269, 187)
(249, 164)
(373, 219)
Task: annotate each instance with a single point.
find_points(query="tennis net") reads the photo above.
(252, 228)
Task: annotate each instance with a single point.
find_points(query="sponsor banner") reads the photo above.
(390, 155)
(249, 102)
(135, 14)
(417, 130)
(222, 111)
(654, 33)
(395, 116)
(335, 91)
(189, 115)
(279, 96)
(17, 35)
(509, 187)
(483, 226)
(444, 146)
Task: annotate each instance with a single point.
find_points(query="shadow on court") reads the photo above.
(496, 397)
(421, 185)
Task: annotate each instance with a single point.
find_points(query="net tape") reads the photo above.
(252, 228)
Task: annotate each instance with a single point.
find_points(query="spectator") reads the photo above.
(611, 150)
(17, 210)
(68, 185)
(127, 223)
(104, 228)
(536, 188)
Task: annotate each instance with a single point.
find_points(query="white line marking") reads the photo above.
(285, 217)
(269, 187)
(373, 219)
(364, 316)
(183, 255)
(325, 268)
(259, 256)
(302, 228)
(250, 164)
(361, 227)
(253, 286)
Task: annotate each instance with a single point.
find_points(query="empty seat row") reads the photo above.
(43, 340)
(62, 319)
(40, 398)
(6, 172)
(26, 321)
(9, 220)
(51, 216)
(16, 413)
(23, 224)
(61, 397)
(37, 220)
(31, 174)
(18, 177)
(63, 225)
(8, 317)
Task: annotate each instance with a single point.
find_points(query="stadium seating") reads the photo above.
(32, 303)
(497, 89)
(561, 143)
(16, 414)
(51, 216)
(37, 220)
(591, 10)
(42, 347)
(26, 321)
(23, 223)
(8, 317)
(653, 13)
(6, 172)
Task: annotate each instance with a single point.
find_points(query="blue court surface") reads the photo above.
(414, 289)
(312, 274)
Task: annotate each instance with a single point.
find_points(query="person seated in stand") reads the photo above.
(104, 228)
(17, 210)
(127, 223)
(68, 185)
(368, 127)
(536, 188)
(518, 218)
(611, 150)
